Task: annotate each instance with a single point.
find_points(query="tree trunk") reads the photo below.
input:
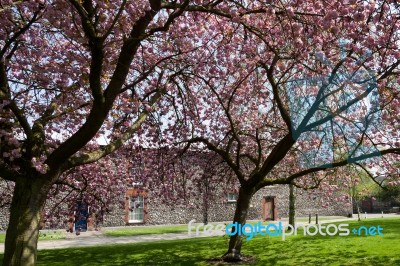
(205, 211)
(292, 205)
(29, 197)
(235, 241)
(205, 201)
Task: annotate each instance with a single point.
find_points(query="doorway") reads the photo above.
(81, 215)
(269, 209)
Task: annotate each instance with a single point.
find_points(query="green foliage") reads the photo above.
(365, 188)
(389, 194)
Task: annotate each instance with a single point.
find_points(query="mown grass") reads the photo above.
(296, 250)
(134, 231)
(43, 235)
(148, 230)
(139, 230)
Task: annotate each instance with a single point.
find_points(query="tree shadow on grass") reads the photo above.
(331, 250)
(182, 252)
(296, 250)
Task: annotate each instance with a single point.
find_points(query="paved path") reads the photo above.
(97, 238)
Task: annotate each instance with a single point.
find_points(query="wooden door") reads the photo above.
(268, 209)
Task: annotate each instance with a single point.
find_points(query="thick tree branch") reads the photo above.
(324, 167)
(276, 155)
(282, 110)
(87, 25)
(100, 110)
(116, 144)
(224, 155)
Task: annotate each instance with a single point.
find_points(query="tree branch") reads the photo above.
(324, 167)
(284, 113)
(116, 144)
(224, 155)
(370, 175)
(100, 109)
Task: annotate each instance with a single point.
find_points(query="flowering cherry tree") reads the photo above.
(73, 73)
(295, 90)
(175, 178)
(276, 89)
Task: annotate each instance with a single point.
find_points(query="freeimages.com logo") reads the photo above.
(278, 230)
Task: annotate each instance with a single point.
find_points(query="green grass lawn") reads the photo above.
(321, 218)
(134, 231)
(47, 235)
(296, 250)
(139, 230)
(126, 231)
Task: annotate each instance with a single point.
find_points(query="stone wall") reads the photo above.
(219, 210)
(4, 204)
(4, 216)
(305, 203)
(222, 210)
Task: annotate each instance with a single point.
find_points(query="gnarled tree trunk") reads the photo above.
(23, 229)
(235, 241)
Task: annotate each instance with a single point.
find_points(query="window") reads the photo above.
(137, 184)
(136, 209)
(135, 206)
(232, 197)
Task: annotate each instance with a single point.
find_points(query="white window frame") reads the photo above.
(232, 197)
(137, 184)
(134, 208)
